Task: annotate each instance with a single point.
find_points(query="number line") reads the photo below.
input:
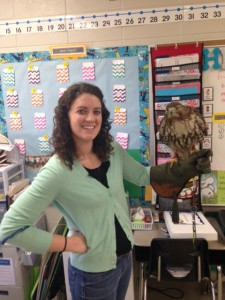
(184, 13)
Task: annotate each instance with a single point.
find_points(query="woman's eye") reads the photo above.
(97, 112)
(81, 111)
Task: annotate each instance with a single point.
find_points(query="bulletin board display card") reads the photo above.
(32, 82)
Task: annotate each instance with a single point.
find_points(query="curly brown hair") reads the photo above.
(62, 140)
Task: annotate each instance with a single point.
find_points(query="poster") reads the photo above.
(213, 188)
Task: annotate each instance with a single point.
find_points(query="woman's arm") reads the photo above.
(75, 243)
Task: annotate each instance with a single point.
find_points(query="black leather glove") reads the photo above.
(169, 179)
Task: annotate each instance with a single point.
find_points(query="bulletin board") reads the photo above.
(32, 82)
(214, 102)
(213, 106)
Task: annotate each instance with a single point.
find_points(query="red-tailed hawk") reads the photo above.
(182, 129)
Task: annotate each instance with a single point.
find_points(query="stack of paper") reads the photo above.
(185, 228)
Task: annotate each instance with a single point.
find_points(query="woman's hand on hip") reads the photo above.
(77, 242)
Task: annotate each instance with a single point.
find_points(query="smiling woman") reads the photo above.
(84, 180)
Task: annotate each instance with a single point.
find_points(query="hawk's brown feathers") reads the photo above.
(182, 129)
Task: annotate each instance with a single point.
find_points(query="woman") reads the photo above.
(84, 180)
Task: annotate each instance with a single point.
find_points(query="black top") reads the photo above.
(123, 245)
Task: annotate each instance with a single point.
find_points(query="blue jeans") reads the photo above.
(109, 285)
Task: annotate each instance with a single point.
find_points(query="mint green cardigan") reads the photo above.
(86, 204)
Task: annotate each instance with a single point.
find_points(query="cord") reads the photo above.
(167, 292)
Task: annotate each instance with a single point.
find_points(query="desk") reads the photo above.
(142, 240)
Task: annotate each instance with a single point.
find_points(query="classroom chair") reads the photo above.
(221, 215)
(180, 260)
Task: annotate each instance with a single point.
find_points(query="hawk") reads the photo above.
(182, 129)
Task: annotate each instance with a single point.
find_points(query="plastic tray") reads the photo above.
(142, 226)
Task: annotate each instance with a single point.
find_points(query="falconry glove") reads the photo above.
(169, 179)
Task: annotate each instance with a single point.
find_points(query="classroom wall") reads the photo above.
(154, 34)
(125, 36)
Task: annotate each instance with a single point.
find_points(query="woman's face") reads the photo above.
(85, 117)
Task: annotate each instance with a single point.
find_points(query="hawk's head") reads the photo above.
(175, 110)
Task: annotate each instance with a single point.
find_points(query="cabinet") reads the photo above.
(16, 273)
(15, 278)
(10, 173)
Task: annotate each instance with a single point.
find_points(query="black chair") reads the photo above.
(219, 256)
(221, 215)
(181, 260)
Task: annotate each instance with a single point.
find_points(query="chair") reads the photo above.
(180, 260)
(220, 259)
(221, 215)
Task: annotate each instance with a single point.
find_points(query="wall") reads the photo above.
(124, 36)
